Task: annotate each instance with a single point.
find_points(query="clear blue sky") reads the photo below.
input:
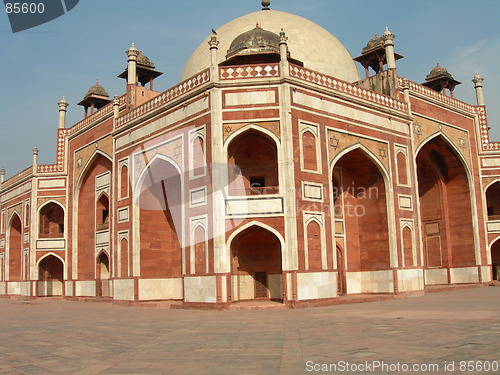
(65, 56)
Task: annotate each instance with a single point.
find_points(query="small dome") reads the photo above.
(255, 41)
(438, 72)
(144, 61)
(97, 89)
(374, 43)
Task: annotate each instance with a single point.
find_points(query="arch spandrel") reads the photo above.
(425, 130)
(171, 150)
(487, 181)
(17, 209)
(42, 201)
(272, 126)
(339, 142)
(83, 158)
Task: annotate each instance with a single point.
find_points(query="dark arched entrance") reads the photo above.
(102, 275)
(160, 205)
(445, 209)
(256, 265)
(359, 195)
(256, 156)
(15, 249)
(50, 276)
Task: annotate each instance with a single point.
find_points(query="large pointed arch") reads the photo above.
(363, 260)
(446, 201)
(159, 200)
(15, 245)
(85, 224)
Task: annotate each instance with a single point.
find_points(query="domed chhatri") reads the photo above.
(95, 98)
(329, 57)
(438, 72)
(254, 41)
(98, 90)
(374, 43)
(144, 61)
(440, 80)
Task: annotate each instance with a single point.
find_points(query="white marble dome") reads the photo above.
(314, 46)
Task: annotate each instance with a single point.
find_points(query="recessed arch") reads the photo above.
(364, 188)
(255, 264)
(124, 181)
(102, 211)
(103, 272)
(252, 158)
(447, 222)
(85, 222)
(50, 275)
(15, 244)
(402, 167)
(495, 258)
(313, 229)
(492, 194)
(309, 150)
(51, 219)
(160, 199)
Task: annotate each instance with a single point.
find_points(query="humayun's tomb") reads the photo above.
(271, 171)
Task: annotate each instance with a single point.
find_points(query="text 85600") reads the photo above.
(24, 8)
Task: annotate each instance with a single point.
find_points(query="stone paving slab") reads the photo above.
(78, 337)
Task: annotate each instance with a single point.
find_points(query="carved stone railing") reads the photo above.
(445, 99)
(18, 177)
(96, 116)
(308, 75)
(249, 71)
(167, 96)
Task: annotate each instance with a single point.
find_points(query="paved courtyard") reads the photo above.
(70, 337)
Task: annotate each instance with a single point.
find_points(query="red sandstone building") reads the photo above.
(271, 171)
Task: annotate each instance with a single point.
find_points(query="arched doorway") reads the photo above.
(359, 195)
(51, 221)
(102, 275)
(256, 156)
(495, 259)
(95, 179)
(493, 201)
(50, 276)
(445, 209)
(160, 220)
(15, 249)
(256, 265)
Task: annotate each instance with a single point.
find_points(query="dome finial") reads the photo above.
(265, 4)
